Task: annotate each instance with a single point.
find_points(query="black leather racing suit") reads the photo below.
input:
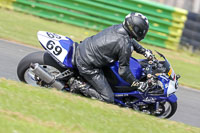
(109, 45)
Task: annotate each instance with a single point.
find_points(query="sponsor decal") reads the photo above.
(170, 72)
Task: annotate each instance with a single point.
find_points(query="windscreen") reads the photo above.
(168, 69)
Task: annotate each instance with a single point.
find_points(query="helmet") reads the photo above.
(136, 25)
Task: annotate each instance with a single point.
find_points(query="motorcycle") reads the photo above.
(55, 67)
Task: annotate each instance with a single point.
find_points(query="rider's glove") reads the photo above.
(148, 54)
(141, 86)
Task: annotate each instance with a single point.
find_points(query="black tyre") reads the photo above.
(173, 111)
(192, 25)
(193, 16)
(40, 57)
(191, 34)
(167, 110)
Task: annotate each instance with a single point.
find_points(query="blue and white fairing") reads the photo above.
(59, 46)
(169, 81)
(135, 68)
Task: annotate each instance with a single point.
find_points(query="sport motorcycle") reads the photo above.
(55, 67)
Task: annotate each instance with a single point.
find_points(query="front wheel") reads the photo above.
(43, 59)
(166, 110)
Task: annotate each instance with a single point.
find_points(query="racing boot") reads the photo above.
(74, 85)
(88, 91)
(79, 87)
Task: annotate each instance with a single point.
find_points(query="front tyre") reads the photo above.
(42, 58)
(166, 110)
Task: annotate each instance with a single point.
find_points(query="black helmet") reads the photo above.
(136, 25)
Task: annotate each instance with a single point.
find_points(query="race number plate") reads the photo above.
(51, 42)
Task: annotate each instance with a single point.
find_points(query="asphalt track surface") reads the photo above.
(188, 111)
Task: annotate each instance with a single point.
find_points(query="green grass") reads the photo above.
(22, 28)
(24, 108)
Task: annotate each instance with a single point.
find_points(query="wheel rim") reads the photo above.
(165, 110)
(29, 76)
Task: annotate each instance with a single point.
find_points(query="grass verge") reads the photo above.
(24, 108)
(23, 28)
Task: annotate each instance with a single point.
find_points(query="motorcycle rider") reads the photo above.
(114, 43)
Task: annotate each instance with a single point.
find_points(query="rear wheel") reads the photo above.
(44, 59)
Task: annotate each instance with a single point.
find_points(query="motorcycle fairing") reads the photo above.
(171, 82)
(135, 68)
(59, 47)
(143, 98)
(172, 98)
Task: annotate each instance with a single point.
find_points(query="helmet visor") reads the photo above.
(140, 34)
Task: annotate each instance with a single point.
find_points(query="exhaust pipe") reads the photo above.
(46, 76)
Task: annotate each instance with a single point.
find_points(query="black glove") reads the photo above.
(148, 54)
(141, 86)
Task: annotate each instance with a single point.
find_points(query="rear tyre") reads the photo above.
(40, 57)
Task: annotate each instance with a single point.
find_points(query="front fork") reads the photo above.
(172, 98)
(157, 106)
